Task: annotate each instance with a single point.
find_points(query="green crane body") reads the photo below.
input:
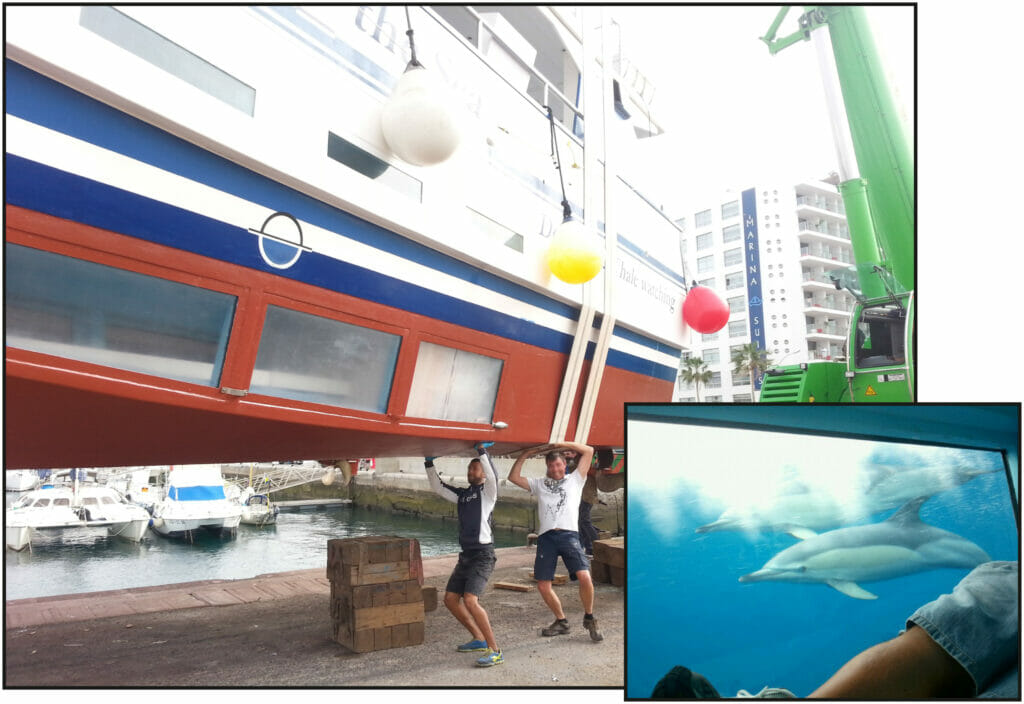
(879, 206)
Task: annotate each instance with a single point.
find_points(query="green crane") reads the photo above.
(877, 187)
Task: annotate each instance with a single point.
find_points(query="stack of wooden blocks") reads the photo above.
(376, 600)
(609, 563)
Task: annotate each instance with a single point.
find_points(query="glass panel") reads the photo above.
(731, 209)
(704, 241)
(95, 313)
(702, 219)
(358, 159)
(140, 40)
(309, 358)
(731, 233)
(452, 384)
(733, 256)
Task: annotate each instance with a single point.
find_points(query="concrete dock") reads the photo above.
(274, 631)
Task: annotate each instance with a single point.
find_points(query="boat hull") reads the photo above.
(181, 527)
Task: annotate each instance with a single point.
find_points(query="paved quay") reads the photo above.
(274, 631)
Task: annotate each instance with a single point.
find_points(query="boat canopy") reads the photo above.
(198, 483)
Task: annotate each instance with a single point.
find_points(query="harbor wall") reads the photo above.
(400, 486)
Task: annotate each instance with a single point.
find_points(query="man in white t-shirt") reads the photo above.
(558, 506)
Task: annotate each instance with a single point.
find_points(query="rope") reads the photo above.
(566, 210)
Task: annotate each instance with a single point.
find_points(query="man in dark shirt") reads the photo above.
(476, 561)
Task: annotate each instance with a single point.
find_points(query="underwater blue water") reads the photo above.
(685, 605)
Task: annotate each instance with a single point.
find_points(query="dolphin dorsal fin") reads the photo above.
(909, 512)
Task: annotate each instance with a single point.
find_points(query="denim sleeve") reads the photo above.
(978, 623)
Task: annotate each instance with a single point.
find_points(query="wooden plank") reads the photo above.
(429, 597)
(377, 551)
(618, 576)
(612, 551)
(383, 616)
(512, 586)
(400, 635)
(382, 593)
(416, 632)
(599, 572)
(382, 638)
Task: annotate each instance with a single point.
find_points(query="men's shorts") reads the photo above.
(977, 625)
(554, 544)
(472, 572)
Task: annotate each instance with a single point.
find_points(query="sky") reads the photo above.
(733, 113)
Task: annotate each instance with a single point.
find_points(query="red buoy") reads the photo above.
(704, 310)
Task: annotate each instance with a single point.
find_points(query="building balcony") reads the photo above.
(827, 231)
(830, 203)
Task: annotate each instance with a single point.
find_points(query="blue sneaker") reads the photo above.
(429, 460)
(472, 646)
(481, 446)
(493, 657)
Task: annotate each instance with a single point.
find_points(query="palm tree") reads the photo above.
(753, 360)
(693, 370)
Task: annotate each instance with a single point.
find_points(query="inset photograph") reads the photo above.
(823, 551)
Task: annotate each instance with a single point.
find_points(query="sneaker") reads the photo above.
(559, 627)
(493, 657)
(480, 447)
(767, 693)
(472, 646)
(591, 625)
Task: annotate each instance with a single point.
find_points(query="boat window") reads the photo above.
(62, 502)
(309, 358)
(95, 313)
(116, 27)
(40, 503)
(107, 500)
(358, 159)
(89, 501)
(454, 384)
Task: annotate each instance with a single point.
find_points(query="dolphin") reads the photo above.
(800, 515)
(892, 487)
(901, 545)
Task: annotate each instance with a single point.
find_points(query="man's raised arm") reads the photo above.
(439, 487)
(515, 475)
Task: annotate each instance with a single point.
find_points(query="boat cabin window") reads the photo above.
(125, 32)
(454, 384)
(107, 500)
(41, 503)
(89, 501)
(95, 313)
(880, 337)
(310, 358)
(62, 502)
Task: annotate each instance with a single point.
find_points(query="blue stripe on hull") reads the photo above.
(35, 186)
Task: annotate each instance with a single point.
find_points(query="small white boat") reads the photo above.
(195, 498)
(22, 479)
(56, 508)
(258, 509)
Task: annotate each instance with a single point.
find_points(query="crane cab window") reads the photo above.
(881, 337)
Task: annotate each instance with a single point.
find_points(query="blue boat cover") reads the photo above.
(195, 493)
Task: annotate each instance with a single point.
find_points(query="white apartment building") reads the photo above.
(767, 251)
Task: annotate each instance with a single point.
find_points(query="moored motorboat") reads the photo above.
(60, 507)
(195, 499)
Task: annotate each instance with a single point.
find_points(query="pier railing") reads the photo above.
(268, 478)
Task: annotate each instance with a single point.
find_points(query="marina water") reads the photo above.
(79, 561)
(686, 606)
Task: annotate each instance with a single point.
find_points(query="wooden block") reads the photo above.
(416, 633)
(382, 593)
(384, 616)
(400, 635)
(381, 638)
(599, 572)
(618, 576)
(415, 561)
(362, 641)
(362, 597)
(377, 552)
(359, 575)
(612, 551)
(398, 550)
(429, 597)
(511, 586)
